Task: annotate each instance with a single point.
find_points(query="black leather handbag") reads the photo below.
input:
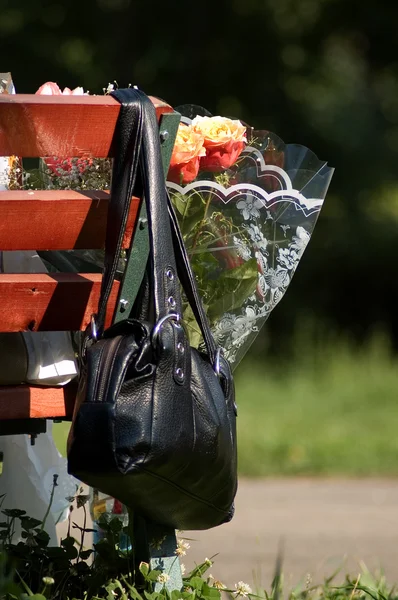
(155, 420)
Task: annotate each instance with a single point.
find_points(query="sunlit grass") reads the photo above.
(332, 410)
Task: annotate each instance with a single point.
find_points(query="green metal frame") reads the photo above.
(152, 543)
(139, 248)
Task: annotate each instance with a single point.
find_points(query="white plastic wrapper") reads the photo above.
(27, 479)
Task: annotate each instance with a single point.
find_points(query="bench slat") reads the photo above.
(57, 220)
(51, 302)
(62, 126)
(25, 402)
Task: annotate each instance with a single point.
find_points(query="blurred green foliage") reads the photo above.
(323, 73)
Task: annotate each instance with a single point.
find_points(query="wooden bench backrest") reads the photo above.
(47, 126)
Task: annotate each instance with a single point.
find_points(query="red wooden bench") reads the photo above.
(62, 126)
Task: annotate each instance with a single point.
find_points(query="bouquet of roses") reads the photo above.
(247, 205)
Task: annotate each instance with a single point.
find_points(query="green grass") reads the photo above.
(332, 411)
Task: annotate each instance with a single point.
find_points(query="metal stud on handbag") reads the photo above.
(155, 420)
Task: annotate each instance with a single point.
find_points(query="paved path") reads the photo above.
(320, 523)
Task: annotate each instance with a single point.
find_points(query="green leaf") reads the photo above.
(210, 593)
(151, 595)
(196, 583)
(189, 210)
(153, 575)
(234, 299)
(195, 335)
(187, 205)
(248, 270)
(144, 568)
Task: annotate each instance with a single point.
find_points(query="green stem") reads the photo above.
(50, 503)
(203, 222)
(82, 533)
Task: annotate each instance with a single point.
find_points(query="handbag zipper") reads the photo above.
(107, 363)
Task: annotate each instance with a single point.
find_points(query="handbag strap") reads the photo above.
(138, 150)
(127, 143)
(167, 247)
(188, 283)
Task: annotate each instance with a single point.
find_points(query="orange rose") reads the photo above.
(188, 148)
(224, 140)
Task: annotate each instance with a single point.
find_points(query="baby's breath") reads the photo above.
(242, 589)
(163, 578)
(182, 547)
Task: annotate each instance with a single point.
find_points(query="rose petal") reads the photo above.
(49, 89)
(184, 173)
(221, 157)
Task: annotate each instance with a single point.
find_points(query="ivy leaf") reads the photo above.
(85, 554)
(28, 523)
(42, 538)
(81, 500)
(55, 552)
(14, 512)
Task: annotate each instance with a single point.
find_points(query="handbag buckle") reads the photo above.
(156, 330)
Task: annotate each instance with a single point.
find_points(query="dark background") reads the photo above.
(322, 73)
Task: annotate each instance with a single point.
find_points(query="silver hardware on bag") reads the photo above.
(216, 366)
(172, 302)
(94, 332)
(180, 347)
(175, 317)
(179, 374)
(170, 274)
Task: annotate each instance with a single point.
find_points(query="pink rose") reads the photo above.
(52, 89)
(58, 165)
